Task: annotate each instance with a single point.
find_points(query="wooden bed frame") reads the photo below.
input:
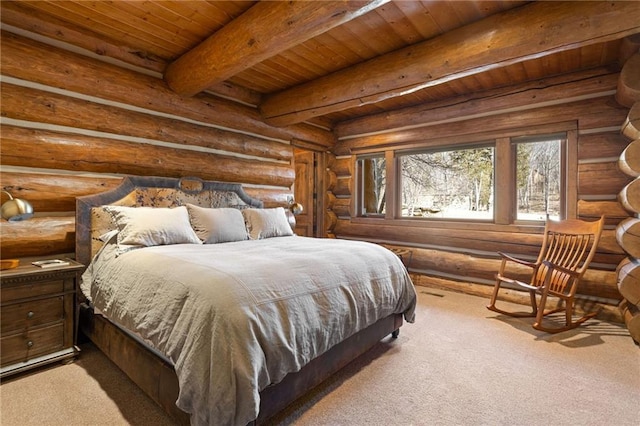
(151, 371)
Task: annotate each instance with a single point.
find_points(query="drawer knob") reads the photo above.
(30, 314)
(30, 343)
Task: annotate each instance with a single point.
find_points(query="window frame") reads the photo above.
(504, 200)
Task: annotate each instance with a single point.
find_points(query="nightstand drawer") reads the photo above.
(21, 316)
(33, 289)
(25, 346)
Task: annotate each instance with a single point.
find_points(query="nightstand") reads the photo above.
(38, 319)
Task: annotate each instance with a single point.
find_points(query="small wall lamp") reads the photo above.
(16, 209)
(295, 208)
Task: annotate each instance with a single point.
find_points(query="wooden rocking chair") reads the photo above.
(567, 249)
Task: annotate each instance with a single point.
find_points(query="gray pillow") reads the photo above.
(152, 226)
(217, 225)
(267, 223)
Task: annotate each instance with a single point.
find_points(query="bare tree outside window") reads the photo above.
(539, 179)
(448, 184)
(372, 172)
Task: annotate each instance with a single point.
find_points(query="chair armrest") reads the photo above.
(516, 260)
(562, 288)
(564, 270)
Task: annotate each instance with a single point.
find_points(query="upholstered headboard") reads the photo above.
(141, 191)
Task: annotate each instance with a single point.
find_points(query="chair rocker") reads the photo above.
(567, 249)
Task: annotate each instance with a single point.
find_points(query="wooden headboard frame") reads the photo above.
(139, 191)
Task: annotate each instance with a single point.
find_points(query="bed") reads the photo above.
(217, 326)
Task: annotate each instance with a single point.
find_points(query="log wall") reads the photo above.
(73, 124)
(450, 252)
(628, 230)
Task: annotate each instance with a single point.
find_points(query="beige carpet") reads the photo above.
(459, 364)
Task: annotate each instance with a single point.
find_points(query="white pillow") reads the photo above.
(219, 225)
(267, 223)
(153, 226)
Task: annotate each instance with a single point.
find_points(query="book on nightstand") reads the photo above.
(50, 263)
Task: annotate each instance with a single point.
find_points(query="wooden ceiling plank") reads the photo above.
(304, 60)
(229, 9)
(275, 27)
(169, 21)
(399, 23)
(200, 17)
(76, 14)
(349, 40)
(444, 15)
(376, 32)
(494, 42)
(325, 55)
(125, 16)
(420, 17)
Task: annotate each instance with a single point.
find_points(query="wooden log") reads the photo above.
(68, 151)
(57, 193)
(591, 113)
(628, 91)
(38, 236)
(342, 207)
(59, 68)
(343, 186)
(329, 200)
(631, 125)
(467, 267)
(628, 273)
(39, 106)
(52, 192)
(592, 210)
(275, 27)
(520, 241)
(601, 179)
(606, 311)
(330, 160)
(630, 46)
(628, 236)
(469, 50)
(629, 197)
(601, 145)
(343, 166)
(555, 90)
(271, 197)
(330, 220)
(629, 162)
(631, 315)
(331, 179)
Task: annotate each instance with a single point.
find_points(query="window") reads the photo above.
(454, 184)
(503, 181)
(372, 185)
(539, 176)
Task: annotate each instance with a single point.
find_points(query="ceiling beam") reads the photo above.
(531, 31)
(263, 31)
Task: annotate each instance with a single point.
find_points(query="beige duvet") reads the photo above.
(236, 317)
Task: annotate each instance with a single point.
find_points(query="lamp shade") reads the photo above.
(16, 209)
